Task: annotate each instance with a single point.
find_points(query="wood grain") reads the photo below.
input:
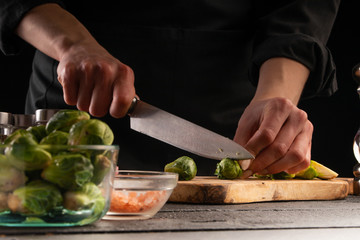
(211, 190)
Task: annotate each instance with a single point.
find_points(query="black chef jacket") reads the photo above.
(198, 59)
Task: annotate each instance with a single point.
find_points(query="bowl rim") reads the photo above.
(143, 174)
(58, 146)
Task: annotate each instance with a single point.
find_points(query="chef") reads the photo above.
(238, 68)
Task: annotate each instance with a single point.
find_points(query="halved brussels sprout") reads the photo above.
(64, 119)
(323, 171)
(184, 166)
(228, 169)
(69, 171)
(314, 170)
(36, 198)
(90, 132)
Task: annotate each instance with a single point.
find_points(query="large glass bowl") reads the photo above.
(140, 194)
(55, 185)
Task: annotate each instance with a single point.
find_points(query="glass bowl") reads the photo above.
(139, 194)
(55, 185)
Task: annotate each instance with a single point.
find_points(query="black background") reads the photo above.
(335, 119)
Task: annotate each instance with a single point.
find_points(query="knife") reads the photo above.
(183, 134)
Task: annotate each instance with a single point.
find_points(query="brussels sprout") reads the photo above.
(282, 175)
(69, 171)
(184, 166)
(64, 119)
(10, 177)
(102, 166)
(53, 142)
(90, 132)
(25, 154)
(56, 138)
(228, 169)
(36, 198)
(38, 131)
(20, 133)
(88, 196)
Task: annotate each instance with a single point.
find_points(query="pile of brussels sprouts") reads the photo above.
(41, 175)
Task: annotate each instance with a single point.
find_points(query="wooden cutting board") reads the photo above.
(216, 191)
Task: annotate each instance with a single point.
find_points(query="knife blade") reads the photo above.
(178, 132)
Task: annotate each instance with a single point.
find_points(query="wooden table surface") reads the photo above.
(334, 219)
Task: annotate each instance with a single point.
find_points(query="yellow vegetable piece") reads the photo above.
(323, 172)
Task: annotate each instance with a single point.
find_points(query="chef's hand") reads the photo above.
(92, 79)
(279, 135)
(272, 127)
(95, 81)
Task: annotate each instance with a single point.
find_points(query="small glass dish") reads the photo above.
(55, 185)
(139, 194)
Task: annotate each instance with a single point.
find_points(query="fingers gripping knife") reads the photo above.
(356, 145)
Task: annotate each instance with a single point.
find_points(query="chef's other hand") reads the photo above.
(95, 81)
(92, 79)
(279, 135)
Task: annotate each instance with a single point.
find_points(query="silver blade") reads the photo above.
(183, 134)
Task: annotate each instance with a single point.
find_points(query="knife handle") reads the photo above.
(133, 104)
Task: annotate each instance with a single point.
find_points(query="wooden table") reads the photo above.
(335, 219)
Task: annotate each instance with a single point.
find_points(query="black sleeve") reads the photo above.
(11, 13)
(299, 30)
